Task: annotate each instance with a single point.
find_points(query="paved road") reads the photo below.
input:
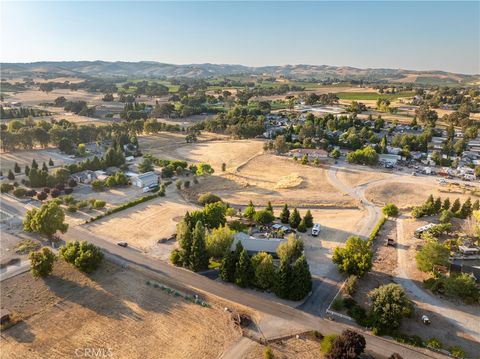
(182, 277)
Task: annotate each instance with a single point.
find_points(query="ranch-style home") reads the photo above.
(143, 180)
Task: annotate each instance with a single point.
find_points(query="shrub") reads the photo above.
(98, 185)
(176, 258)
(208, 197)
(389, 304)
(83, 255)
(6, 187)
(72, 208)
(42, 196)
(55, 193)
(263, 217)
(60, 186)
(237, 226)
(355, 258)
(457, 352)
(267, 353)
(434, 343)
(72, 182)
(390, 210)
(19, 192)
(377, 228)
(46, 190)
(414, 340)
(302, 228)
(82, 204)
(99, 204)
(31, 193)
(68, 190)
(41, 262)
(327, 343)
(349, 344)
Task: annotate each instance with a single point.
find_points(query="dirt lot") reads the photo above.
(356, 175)
(113, 310)
(142, 226)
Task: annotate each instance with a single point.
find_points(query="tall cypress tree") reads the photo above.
(295, 218)
(446, 203)
(269, 207)
(198, 256)
(244, 272)
(229, 263)
(17, 168)
(285, 214)
(301, 279)
(283, 280)
(308, 219)
(34, 164)
(456, 206)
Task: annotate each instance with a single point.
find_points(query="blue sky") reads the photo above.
(410, 35)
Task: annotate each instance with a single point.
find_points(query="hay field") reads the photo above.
(114, 310)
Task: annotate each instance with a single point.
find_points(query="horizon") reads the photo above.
(255, 34)
(237, 64)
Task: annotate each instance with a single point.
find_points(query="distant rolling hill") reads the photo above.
(146, 69)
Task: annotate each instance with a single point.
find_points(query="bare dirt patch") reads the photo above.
(292, 348)
(113, 309)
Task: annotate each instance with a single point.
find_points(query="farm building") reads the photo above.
(255, 245)
(143, 180)
(311, 153)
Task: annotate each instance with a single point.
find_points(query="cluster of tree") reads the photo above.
(364, 156)
(294, 219)
(135, 111)
(460, 285)
(239, 122)
(41, 177)
(149, 88)
(191, 232)
(446, 210)
(322, 99)
(83, 255)
(291, 280)
(462, 99)
(104, 85)
(356, 107)
(20, 112)
(383, 104)
(79, 107)
(112, 158)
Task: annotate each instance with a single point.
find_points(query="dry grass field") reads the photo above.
(113, 310)
(357, 176)
(414, 192)
(142, 226)
(25, 157)
(305, 348)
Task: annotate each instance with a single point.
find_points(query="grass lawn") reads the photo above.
(358, 96)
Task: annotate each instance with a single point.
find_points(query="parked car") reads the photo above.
(425, 320)
(315, 230)
(122, 244)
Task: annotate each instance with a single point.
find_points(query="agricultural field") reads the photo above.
(373, 96)
(112, 309)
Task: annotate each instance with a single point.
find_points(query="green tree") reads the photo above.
(335, 154)
(355, 258)
(390, 210)
(302, 228)
(145, 166)
(27, 170)
(349, 344)
(308, 219)
(16, 168)
(437, 205)
(218, 241)
(456, 206)
(34, 164)
(10, 175)
(50, 163)
(269, 207)
(204, 169)
(214, 214)
(184, 238)
(41, 262)
(264, 270)
(446, 203)
(285, 214)
(301, 279)
(83, 255)
(432, 254)
(294, 219)
(466, 209)
(290, 250)
(389, 304)
(244, 272)
(47, 220)
(229, 263)
(263, 217)
(283, 280)
(224, 167)
(208, 197)
(199, 255)
(249, 211)
(44, 167)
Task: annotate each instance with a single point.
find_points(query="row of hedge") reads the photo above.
(161, 193)
(377, 228)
